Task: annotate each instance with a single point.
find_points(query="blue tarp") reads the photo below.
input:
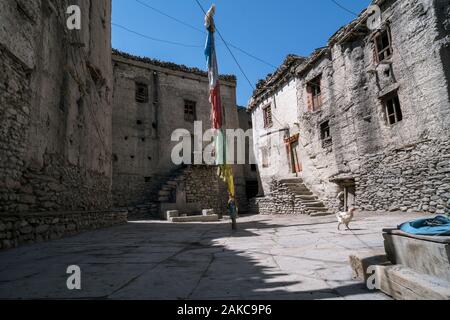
(439, 226)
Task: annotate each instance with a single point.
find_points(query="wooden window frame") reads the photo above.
(268, 116)
(141, 96)
(392, 108)
(190, 110)
(377, 39)
(314, 92)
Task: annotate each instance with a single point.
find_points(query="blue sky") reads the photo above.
(268, 29)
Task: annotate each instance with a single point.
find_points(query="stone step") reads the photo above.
(291, 181)
(163, 199)
(298, 188)
(314, 204)
(320, 214)
(304, 193)
(314, 209)
(403, 283)
(305, 198)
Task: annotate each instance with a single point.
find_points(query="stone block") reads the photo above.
(403, 283)
(208, 212)
(172, 214)
(423, 254)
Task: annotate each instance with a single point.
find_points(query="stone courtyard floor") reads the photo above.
(267, 258)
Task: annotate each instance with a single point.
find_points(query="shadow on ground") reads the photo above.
(156, 260)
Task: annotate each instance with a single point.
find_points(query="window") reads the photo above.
(265, 157)
(393, 109)
(190, 113)
(141, 92)
(253, 167)
(325, 134)
(383, 45)
(268, 121)
(314, 91)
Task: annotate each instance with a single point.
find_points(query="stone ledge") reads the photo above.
(56, 213)
(403, 283)
(426, 255)
(210, 218)
(29, 228)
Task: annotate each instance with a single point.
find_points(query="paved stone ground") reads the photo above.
(268, 258)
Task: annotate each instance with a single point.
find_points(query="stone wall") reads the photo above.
(29, 228)
(414, 178)
(206, 190)
(278, 201)
(55, 107)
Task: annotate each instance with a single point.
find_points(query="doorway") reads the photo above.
(349, 194)
(293, 150)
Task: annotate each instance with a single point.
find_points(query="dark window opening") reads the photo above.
(115, 158)
(126, 138)
(190, 112)
(143, 139)
(383, 45)
(393, 109)
(147, 179)
(139, 122)
(132, 157)
(325, 134)
(314, 91)
(268, 119)
(252, 189)
(253, 167)
(141, 92)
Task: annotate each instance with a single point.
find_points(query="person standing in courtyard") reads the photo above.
(232, 211)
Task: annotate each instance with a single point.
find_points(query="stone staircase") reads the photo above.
(164, 191)
(290, 196)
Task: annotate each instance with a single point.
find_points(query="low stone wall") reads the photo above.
(415, 178)
(280, 201)
(57, 187)
(205, 188)
(20, 229)
(274, 206)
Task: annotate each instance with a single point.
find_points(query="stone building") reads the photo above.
(368, 116)
(152, 99)
(55, 120)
